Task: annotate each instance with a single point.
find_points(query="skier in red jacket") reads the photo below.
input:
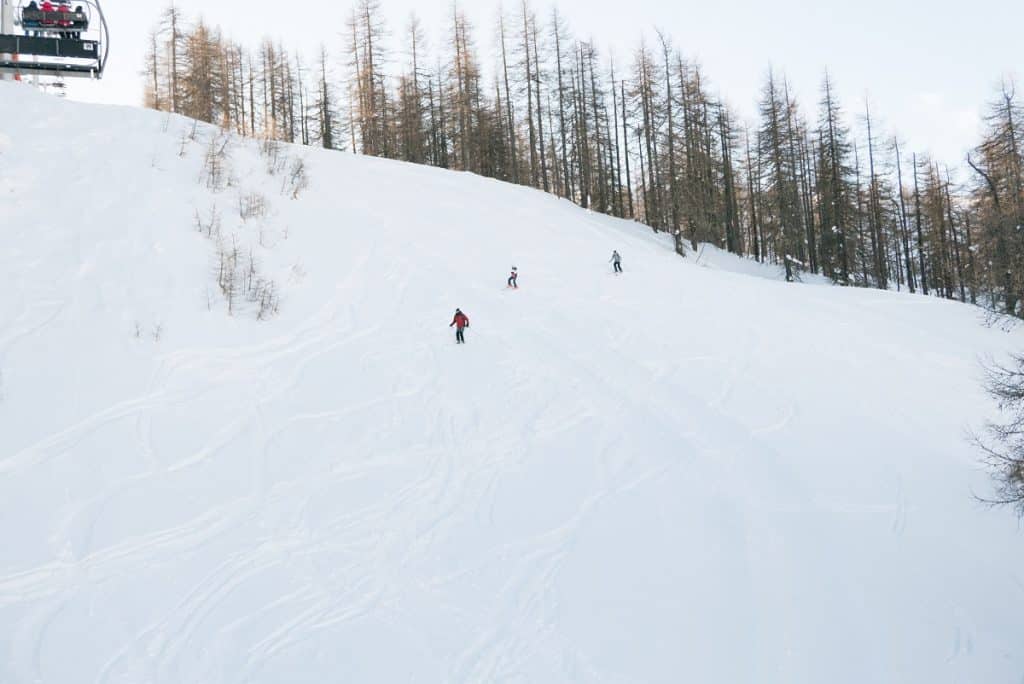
(66, 9)
(47, 6)
(461, 322)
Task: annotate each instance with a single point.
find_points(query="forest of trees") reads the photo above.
(645, 140)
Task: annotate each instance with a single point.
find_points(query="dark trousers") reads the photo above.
(459, 337)
(618, 267)
(512, 282)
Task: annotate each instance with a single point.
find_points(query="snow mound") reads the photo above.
(683, 473)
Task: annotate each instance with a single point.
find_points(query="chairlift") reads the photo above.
(58, 38)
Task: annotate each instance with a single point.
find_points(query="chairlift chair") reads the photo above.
(58, 43)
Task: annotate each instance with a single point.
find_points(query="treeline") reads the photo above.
(647, 141)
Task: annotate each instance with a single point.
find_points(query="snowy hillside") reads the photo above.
(685, 473)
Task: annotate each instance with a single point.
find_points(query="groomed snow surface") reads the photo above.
(683, 474)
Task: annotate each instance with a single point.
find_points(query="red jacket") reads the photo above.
(460, 321)
(47, 6)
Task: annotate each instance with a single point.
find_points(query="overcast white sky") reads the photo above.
(928, 67)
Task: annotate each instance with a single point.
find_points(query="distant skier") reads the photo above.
(513, 280)
(460, 322)
(616, 261)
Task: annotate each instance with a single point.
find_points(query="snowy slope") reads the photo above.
(681, 474)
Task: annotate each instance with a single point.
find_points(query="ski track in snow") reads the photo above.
(677, 473)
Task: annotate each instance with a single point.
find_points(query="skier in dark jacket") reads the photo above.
(513, 280)
(31, 24)
(460, 322)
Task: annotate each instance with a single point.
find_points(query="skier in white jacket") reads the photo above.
(616, 261)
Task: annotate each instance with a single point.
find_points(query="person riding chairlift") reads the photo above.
(46, 6)
(65, 23)
(32, 24)
(79, 24)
